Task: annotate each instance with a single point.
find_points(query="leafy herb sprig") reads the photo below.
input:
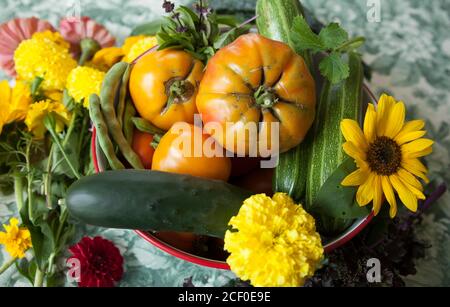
(197, 31)
(332, 40)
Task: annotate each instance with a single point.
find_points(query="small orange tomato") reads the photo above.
(164, 86)
(185, 149)
(142, 146)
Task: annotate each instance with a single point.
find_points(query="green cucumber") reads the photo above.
(337, 102)
(151, 200)
(275, 18)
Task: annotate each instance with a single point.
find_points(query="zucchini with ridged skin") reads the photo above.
(275, 19)
(337, 102)
(151, 200)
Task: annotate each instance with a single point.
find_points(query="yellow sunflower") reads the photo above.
(387, 154)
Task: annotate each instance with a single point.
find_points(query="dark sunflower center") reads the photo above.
(384, 156)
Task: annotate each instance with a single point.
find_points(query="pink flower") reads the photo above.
(74, 30)
(12, 33)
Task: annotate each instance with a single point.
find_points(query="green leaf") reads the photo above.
(227, 20)
(187, 19)
(229, 37)
(333, 36)
(334, 68)
(188, 13)
(35, 85)
(304, 38)
(149, 29)
(335, 200)
(70, 148)
(352, 45)
(27, 268)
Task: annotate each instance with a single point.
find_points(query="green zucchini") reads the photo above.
(275, 18)
(337, 102)
(151, 200)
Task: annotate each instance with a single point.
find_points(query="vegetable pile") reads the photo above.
(172, 138)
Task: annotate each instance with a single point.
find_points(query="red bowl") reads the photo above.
(329, 246)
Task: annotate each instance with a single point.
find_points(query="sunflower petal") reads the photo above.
(409, 178)
(384, 107)
(417, 192)
(415, 167)
(353, 133)
(356, 178)
(403, 138)
(370, 122)
(406, 196)
(420, 146)
(377, 194)
(395, 120)
(353, 151)
(413, 125)
(364, 195)
(390, 196)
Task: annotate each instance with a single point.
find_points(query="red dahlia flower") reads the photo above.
(101, 264)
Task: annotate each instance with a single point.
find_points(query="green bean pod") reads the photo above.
(145, 126)
(123, 95)
(110, 87)
(102, 133)
(128, 125)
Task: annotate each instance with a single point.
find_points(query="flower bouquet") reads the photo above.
(245, 145)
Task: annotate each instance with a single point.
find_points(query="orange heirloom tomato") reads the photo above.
(182, 150)
(164, 84)
(142, 147)
(252, 80)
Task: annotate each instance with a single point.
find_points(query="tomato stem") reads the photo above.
(265, 97)
(178, 91)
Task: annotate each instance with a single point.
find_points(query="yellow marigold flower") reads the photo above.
(274, 242)
(84, 81)
(50, 36)
(46, 58)
(105, 58)
(139, 47)
(39, 110)
(17, 240)
(130, 41)
(14, 102)
(387, 153)
(55, 96)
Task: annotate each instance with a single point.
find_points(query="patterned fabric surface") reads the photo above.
(409, 50)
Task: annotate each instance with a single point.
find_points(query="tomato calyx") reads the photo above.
(178, 91)
(156, 140)
(265, 97)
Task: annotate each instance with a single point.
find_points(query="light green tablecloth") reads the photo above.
(409, 50)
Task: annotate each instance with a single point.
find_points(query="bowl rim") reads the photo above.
(337, 242)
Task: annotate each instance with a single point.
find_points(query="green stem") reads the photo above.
(29, 181)
(357, 40)
(84, 127)
(48, 179)
(7, 265)
(18, 191)
(178, 91)
(57, 141)
(265, 98)
(156, 140)
(89, 47)
(38, 278)
(71, 127)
